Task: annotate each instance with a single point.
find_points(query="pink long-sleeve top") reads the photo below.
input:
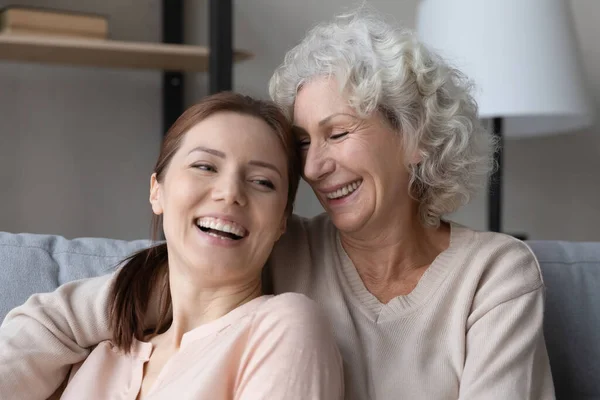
(273, 347)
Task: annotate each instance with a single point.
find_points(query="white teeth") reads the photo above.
(346, 190)
(221, 225)
(218, 236)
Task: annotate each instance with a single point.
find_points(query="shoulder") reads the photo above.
(292, 313)
(299, 253)
(505, 258)
(501, 267)
(304, 229)
(292, 308)
(303, 234)
(290, 352)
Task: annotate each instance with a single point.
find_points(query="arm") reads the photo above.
(291, 354)
(506, 355)
(40, 340)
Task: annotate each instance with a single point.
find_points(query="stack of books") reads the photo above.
(19, 20)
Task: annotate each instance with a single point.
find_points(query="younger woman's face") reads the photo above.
(223, 198)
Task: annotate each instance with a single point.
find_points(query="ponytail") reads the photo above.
(143, 273)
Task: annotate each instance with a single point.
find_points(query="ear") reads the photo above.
(155, 195)
(282, 226)
(409, 156)
(414, 157)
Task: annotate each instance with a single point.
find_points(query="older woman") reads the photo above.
(422, 308)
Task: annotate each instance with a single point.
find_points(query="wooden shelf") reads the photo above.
(107, 53)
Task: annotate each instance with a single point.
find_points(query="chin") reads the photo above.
(347, 223)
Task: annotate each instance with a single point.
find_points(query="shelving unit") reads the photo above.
(107, 53)
(171, 56)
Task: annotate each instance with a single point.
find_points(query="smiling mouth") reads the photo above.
(222, 229)
(345, 191)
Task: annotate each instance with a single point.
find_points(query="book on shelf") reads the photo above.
(21, 20)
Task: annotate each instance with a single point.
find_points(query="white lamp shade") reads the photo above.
(522, 56)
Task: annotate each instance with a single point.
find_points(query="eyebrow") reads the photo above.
(327, 119)
(265, 165)
(220, 154)
(208, 150)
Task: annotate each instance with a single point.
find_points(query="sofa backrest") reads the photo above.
(32, 263)
(571, 273)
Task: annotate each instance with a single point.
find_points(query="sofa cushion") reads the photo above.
(571, 273)
(31, 263)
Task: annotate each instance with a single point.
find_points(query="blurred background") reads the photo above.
(78, 144)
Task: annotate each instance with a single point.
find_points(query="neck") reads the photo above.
(395, 250)
(195, 305)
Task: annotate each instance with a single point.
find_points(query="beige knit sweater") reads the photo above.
(471, 329)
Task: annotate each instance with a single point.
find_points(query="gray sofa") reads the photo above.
(40, 263)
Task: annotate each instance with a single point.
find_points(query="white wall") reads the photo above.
(552, 184)
(77, 144)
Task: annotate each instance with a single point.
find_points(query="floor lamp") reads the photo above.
(522, 56)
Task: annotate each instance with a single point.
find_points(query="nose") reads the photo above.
(229, 188)
(317, 163)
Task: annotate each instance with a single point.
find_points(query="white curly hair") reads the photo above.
(383, 68)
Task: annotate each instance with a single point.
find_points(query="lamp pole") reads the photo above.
(495, 189)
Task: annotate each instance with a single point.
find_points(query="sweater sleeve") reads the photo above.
(291, 354)
(506, 355)
(40, 340)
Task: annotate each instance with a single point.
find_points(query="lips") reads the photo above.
(344, 191)
(222, 228)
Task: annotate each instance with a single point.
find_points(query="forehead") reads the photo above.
(318, 99)
(243, 136)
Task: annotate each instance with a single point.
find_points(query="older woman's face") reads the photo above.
(223, 197)
(355, 166)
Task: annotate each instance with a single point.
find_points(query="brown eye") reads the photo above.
(264, 182)
(205, 167)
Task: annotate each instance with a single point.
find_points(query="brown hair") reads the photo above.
(146, 271)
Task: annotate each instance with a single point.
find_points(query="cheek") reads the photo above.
(278, 205)
(356, 155)
(182, 194)
(271, 211)
(302, 162)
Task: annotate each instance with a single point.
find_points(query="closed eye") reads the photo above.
(304, 144)
(338, 135)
